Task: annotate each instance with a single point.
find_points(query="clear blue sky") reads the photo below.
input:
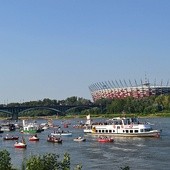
(57, 48)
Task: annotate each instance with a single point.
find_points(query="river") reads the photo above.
(137, 153)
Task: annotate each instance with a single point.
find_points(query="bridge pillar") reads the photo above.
(14, 116)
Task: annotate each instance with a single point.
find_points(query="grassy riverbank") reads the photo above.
(109, 116)
(162, 114)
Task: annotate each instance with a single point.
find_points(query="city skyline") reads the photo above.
(57, 49)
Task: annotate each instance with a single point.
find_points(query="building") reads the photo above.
(122, 89)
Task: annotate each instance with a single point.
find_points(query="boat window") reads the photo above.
(118, 127)
(127, 131)
(99, 131)
(131, 131)
(136, 131)
(102, 131)
(113, 131)
(126, 122)
(141, 130)
(106, 131)
(110, 131)
(147, 130)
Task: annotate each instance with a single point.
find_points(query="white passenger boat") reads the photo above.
(124, 127)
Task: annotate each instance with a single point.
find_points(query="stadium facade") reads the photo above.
(123, 89)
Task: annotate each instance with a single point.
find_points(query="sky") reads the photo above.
(57, 48)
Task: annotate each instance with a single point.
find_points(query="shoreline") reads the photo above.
(155, 115)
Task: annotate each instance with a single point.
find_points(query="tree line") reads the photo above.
(152, 104)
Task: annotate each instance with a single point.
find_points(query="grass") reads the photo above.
(105, 115)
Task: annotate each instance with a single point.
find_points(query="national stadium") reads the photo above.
(123, 89)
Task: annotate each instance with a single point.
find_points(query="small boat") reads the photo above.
(79, 139)
(11, 137)
(7, 127)
(20, 145)
(105, 139)
(65, 125)
(33, 138)
(54, 139)
(62, 133)
(30, 128)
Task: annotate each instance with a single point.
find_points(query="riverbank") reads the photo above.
(153, 115)
(102, 116)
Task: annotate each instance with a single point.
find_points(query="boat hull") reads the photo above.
(105, 140)
(148, 134)
(11, 138)
(20, 146)
(34, 139)
(79, 140)
(61, 134)
(54, 140)
(29, 131)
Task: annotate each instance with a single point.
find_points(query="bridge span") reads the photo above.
(60, 109)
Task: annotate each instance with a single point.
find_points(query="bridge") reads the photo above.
(60, 109)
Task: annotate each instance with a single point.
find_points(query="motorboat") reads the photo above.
(34, 138)
(65, 125)
(7, 127)
(105, 139)
(54, 139)
(20, 145)
(125, 127)
(79, 139)
(30, 128)
(61, 133)
(44, 126)
(7, 137)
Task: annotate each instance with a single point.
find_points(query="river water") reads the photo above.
(137, 153)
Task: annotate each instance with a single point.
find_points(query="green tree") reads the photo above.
(49, 161)
(5, 160)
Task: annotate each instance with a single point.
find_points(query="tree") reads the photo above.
(5, 160)
(48, 161)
